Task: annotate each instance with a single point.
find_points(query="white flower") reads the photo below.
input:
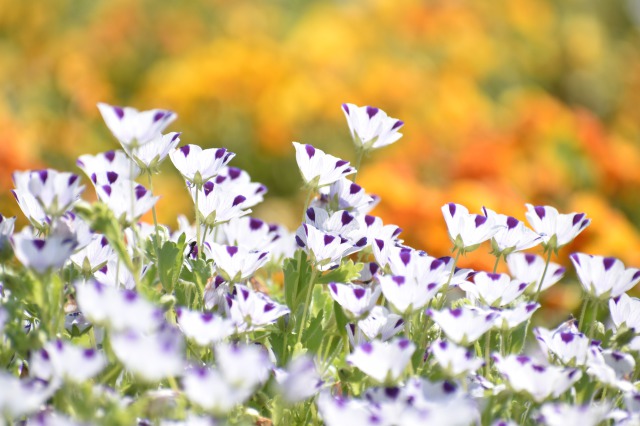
(566, 343)
(217, 205)
(383, 238)
(341, 224)
(463, 325)
(320, 169)
(93, 256)
(300, 381)
(42, 254)
(539, 381)
(508, 319)
(454, 359)
(7, 225)
(325, 250)
(243, 366)
(529, 267)
(556, 229)
(199, 165)
(62, 360)
(117, 309)
(132, 127)
(251, 310)
(513, 235)
(562, 414)
(493, 289)
(151, 357)
(149, 155)
(55, 191)
(114, 275)
(356, 300)
(19, 397)
(344, 194)
(467, 231)
(625, 310)
(128, 200)
(236, 180)
(204, 328)
(604, 277)
(236, 264)
(338, 411)
(208, 388)
(105, 168)
(406, 294)
(381, 324)
(383, 361)
(371, 127)
(611, 367)
(249, 233)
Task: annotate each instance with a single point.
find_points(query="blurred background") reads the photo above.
(504, 102)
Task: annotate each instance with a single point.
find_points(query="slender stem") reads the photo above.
(594, 319)
(307, 302)
(156, 241)
(198, 222)
(487, 357)
(544, 273)
(446, 286)
(359, 156)
(307, 202)
(495, 266)
(582, 313)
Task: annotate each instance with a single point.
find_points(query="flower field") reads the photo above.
(264, 248)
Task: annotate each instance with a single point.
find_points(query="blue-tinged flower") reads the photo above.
(236, 264)
(251, 310)
(566, 343)
(107, 167)
(611, 367)
(467, 231)
(208, 388)
(382, 238)
(383, 361)
(509, 319)
(455, 360)
(465, 324)
(513, 235)
(407, 294)
(444, 402)
(493, 289)
(64, 361)
(55, 191)
(151, 357)
(325, 250)
(563, 414)
(356, 300)
(370, 127)
(217, 204)
(341, 224)
(199, 165)
(132, 127)
(319, 169)
(625, 311)
(42, 254)
(117, 309)
(528, 268)
(19, 397)
(556, 229)
(338, 411)
(344, 194)
(604, 277)
(300, 380)
(204, 328)
(127, 205)
(538, 381)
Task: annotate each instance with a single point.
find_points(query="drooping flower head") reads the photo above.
(370, 127)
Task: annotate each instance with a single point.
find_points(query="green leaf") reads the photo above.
(341, 318)
(313, 334)
(297, 273)
(345, 273)
(170, 259)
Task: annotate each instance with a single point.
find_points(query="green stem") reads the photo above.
(155, 224)
(307, 302)
(198, 222)
(495, 266)
(359, 156)
(583, 311)
(487, 357)
(594, 319)
(307, 202)
(544, 273)
(446, 286)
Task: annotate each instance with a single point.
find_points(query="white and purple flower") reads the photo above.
(370, 127)
(556, 229)
(319, 169)
(467, 231)
(383, 361)
(132, 127)
(604, 277)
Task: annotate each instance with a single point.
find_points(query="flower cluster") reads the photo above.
(107, 320)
